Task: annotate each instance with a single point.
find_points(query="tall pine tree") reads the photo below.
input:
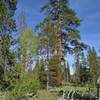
(64, 24)
(7, 26)
(92, 58)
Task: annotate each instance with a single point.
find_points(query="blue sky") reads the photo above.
(87, 10)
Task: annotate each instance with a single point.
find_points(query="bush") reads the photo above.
(25, 85)
(92, 85)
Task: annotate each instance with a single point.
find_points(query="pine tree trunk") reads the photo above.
(59, 54)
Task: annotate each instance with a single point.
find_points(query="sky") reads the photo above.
(87, 10)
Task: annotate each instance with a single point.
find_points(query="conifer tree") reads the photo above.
(28, 48)
(62, 19)
(46, 47)
(66, 73)
(85, 70)
(98, 61)
(92, 58)
(55, 73)
(78, 71)
(78, 51)
(7, 26)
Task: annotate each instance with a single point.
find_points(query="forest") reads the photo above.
(35, 62)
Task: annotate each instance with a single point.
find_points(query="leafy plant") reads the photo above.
(25, 85)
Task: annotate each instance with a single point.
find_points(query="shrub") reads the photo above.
(25, 85)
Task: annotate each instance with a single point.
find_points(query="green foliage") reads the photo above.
(63, 18)
(78, 74)
(3, 11)
(68, 72)
(58, 33)
(84, 70)
(93, 64)
(26, 84)
(41, 73)
(28, 47)
(55, 71)
(7, 26)
(83, 74)
(36, 70)
(28, 41)
(98, 61)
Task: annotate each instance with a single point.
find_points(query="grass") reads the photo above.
(46, 95)
(68, 88)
